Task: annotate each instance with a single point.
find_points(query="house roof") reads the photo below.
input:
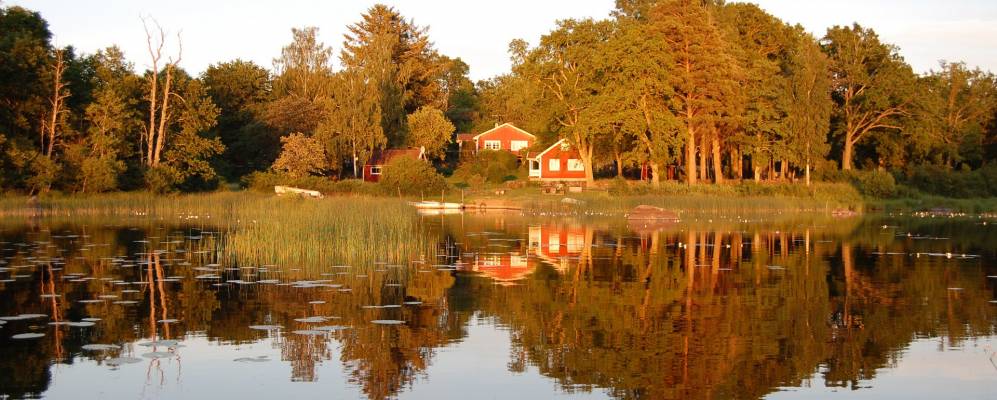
(501, 126)
(465, 137)
(385, 156)
(540, 154)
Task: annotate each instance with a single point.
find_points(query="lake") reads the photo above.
(498, 305)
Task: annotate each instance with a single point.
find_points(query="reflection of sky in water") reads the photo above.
(924, 371)
(476, 366)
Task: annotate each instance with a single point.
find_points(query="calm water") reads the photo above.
(506, 306)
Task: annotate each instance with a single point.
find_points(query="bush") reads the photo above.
(876, 183)
(488, 166)
(411, 177)
(265, 181)
(936, 180)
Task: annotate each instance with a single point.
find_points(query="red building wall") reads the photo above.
(562, 156)
(505, 134)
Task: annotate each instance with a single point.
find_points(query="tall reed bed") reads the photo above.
(258, 229)
(363, 233)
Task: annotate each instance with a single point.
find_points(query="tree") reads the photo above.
(871, 86)
(55, 119)
(187, 161)
(159, 99)
(301, 156)
(304, 67)
(807, 101)
(429, 129)
(396, 56)
(566, 68)
(954, 108)
(353, 126)
(699, 74)
(461, 97)
(240, 89)
(636, 95)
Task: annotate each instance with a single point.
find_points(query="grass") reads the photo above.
(311, 234)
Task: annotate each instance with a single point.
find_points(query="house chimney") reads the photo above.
(497, 124)
(422, 152)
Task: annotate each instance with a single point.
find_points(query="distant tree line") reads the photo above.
(698, 91)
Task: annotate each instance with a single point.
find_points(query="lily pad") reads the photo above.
(252, 359)
(309, 332)
(158, 354)
(100, 347)
(387, 322)
(27, 336)
(123, 360)
(266, 327)
(311, 320)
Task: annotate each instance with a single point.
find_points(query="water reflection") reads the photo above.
(689, 310)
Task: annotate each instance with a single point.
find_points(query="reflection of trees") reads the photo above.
(697, 314)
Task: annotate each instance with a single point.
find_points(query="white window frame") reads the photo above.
(554, 164)
(375, 170)
(517, 145)
(575, 165)
(493, 145)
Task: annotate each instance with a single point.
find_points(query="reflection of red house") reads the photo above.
(504, 137)
(502, 268)
(373, 169)
(556, 244)
(559, 162)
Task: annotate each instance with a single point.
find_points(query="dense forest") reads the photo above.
(696, 91)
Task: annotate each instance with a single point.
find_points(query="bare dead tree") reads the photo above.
(155, 135)
(50, 124)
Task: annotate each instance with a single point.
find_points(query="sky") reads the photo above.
(479, 32)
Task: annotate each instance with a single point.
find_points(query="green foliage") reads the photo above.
(429, 129)
(875, 183)
(240, 89)
(487, 166)
(42, 173)
(411, 177)
(396, 57)
(301, 156)
(941, 181)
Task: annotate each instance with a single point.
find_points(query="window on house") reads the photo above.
(517, 145)
(493, 145)
(575, 165)
(375, 170)
(554, 165)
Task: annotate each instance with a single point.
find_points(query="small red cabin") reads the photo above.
(375, 166)
(504, 137)
(558, 163)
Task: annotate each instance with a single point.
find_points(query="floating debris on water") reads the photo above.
(387, 322)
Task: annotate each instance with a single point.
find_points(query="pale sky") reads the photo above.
(478, 31)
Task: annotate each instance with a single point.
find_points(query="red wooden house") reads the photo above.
(375, 166)
(558, 163)
(504, 137)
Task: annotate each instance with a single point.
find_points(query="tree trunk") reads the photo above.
(690, 155)
(619, 164)
(655, 174)
(163, 115)
(807, 173)
(846, 156)
(737, 163)
(718, 173)
(703, 173)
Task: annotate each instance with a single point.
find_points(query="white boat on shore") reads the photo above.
(436, 205)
